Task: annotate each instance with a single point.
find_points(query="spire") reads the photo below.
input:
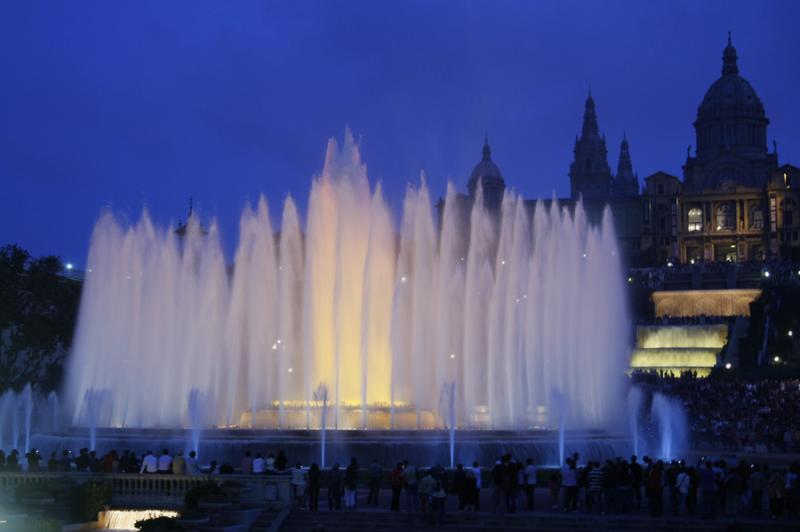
(590, 118)
(729, 66)
(487, 151)
(624, 167)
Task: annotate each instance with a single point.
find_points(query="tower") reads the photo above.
(589, 173)
(625, 183)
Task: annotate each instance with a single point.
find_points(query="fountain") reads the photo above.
(508, 303)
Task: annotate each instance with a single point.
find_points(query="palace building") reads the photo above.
(735, 203)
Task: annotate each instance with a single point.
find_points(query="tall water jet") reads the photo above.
(559, 404)
(321, 397)
(54, 411)
(94, 403)
(447, 409)
(7, 405)
(195, 410)
(635, 399)
(672, 426)
(26, 398)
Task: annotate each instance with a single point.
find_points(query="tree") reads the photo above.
(38, 311)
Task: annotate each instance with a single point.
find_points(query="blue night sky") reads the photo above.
(132, 104)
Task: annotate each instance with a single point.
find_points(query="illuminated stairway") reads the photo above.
(678, 348)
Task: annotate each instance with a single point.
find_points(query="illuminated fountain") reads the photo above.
(508, 306)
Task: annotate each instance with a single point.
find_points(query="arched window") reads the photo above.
(756, 217)
(726, 217)
(695, 221)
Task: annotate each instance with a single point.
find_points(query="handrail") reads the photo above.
(164, 489)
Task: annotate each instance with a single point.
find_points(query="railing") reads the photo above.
(163, 490)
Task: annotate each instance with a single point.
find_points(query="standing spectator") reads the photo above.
(313, 486)
(439, 502)
(707, 487)
(636, 482)
(397, 480)
(460, 486)
(531, 473)
(775, 487)
(426, 486)
(335, 488)
(595, 488)
(350, 485)
(410, 480)
(298, 485)
(655, 489)
(569, 475)
(733, 491)
(375, 474)
(476, 497)
(554, 485)
(247, 463)
(757, 483)
(792, 487)
(682, 483)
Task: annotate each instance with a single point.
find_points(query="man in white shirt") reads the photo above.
(149, 463)
(476, 470)
(259, 465)
(530, 483)
(165, 463)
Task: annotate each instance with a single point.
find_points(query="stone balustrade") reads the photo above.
(160, 490)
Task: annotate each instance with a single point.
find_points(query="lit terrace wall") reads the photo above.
(678, 348)
(691, 303)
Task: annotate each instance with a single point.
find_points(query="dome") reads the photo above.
(731, 95)
(486, 172)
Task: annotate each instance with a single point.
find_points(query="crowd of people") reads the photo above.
(702, 319)
(128, 462)
(735, 415)
(707, 489)
(780, 271)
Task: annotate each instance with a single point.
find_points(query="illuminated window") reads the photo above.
(726, 217)
(695, 219)
(756, 217)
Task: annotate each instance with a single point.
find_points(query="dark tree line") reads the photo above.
(38, 311)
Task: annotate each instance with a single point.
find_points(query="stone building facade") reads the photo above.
(735, 202)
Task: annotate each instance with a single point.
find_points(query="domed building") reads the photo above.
(735, 202)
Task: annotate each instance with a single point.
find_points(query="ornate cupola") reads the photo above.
(487, 173)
